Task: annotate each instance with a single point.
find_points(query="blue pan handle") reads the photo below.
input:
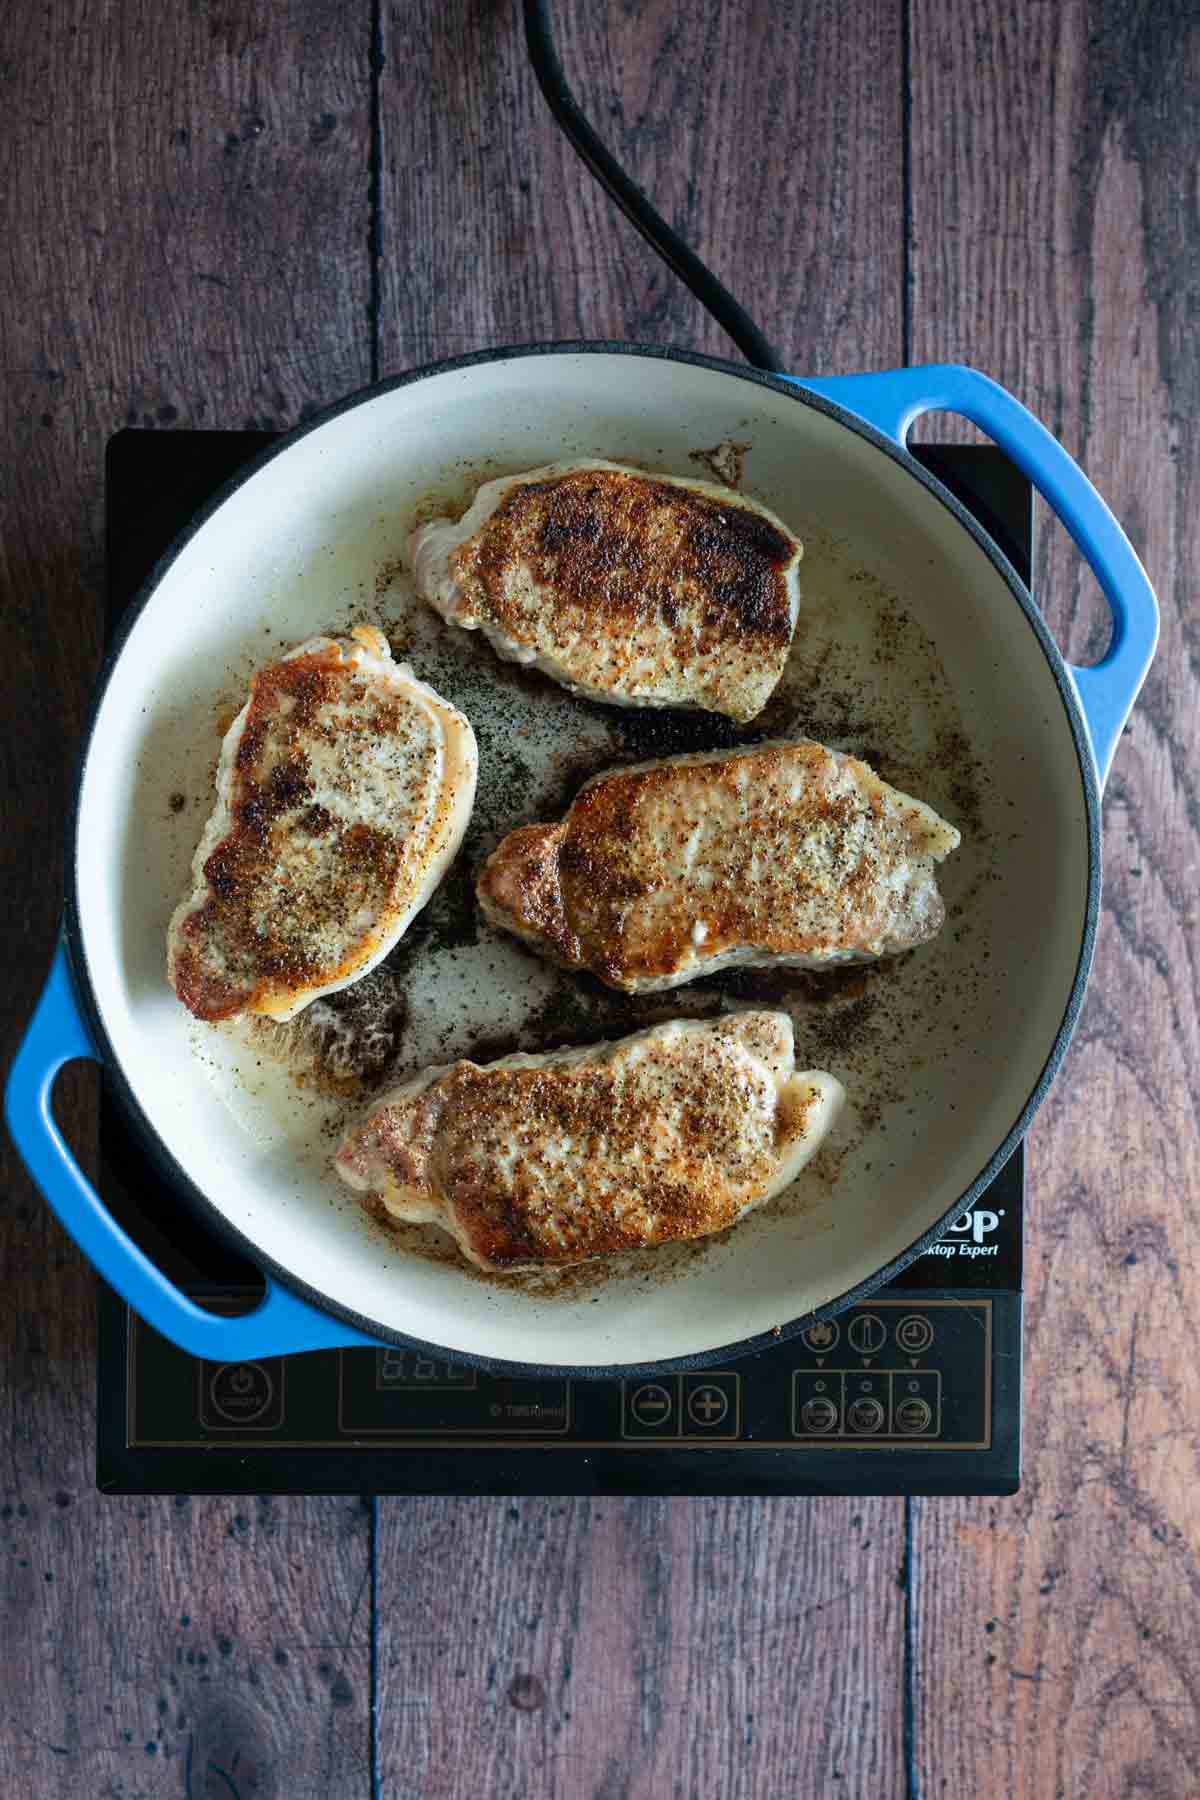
(281, 1324)
(891, 401)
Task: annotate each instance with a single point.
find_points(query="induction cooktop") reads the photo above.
(915, 1391)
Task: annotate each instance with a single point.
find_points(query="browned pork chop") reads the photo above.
(784, 853)
(639, 589)
(343, 791)
(536, 1161)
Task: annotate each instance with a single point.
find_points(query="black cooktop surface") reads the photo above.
(916, 1391)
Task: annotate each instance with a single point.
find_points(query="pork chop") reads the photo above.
(343, 790)
(537, 1161)
(644, 590)
(783, 853)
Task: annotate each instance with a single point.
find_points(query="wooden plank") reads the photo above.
(170, 229)
(642, 1648)
(769, 136)
(1055, 243)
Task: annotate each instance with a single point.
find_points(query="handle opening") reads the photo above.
(1067, 593)
(282, 1323)
(894, 400)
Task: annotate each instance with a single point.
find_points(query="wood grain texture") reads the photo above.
(645, 1648)
(639, 1650)
(179, 182)
(187, 241)
(769, 136)
(1056, 243)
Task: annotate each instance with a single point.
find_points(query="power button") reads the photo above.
(242, 1395)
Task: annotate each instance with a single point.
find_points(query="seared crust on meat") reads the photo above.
(537, 1161)
(343, 791)
(783, 853)
(640, 589)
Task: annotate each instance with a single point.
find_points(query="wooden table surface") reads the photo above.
(231, 212)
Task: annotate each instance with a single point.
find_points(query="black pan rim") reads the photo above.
(173, 1172)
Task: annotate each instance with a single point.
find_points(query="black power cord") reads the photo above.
(666, 243)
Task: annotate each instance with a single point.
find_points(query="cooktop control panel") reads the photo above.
(905, 1393)
(887, 1373)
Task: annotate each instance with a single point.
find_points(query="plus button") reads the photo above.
(708, 1404)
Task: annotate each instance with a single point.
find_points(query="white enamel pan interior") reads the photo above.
(913, 648)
